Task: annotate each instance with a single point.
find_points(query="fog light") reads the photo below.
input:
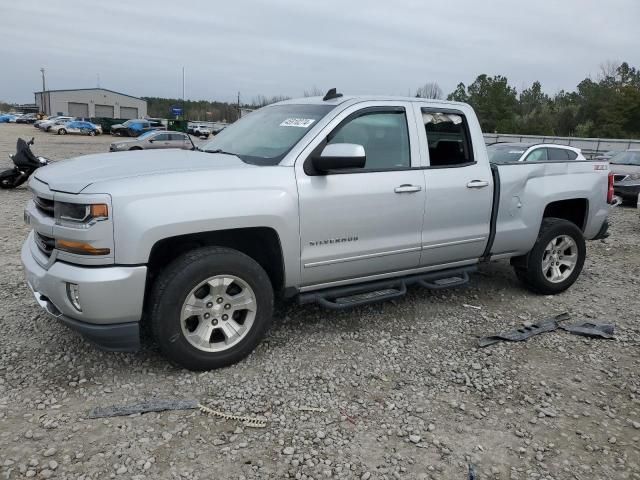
(73, 292)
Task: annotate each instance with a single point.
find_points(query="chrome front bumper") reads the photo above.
(111, 298)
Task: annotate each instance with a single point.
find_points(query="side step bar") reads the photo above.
(341, 298)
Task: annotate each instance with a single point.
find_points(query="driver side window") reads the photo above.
(384, 136)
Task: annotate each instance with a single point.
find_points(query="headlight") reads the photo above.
(77, 215)
(634, 176)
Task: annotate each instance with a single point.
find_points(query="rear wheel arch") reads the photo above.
(574, 210)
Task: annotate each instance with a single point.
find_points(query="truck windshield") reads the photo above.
(504, 153)
(265, 136)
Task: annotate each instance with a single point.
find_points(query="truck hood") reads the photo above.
(76, 174)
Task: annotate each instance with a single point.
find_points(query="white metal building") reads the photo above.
(91, 102)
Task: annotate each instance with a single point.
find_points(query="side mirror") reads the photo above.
(340, 156)
(151, 140)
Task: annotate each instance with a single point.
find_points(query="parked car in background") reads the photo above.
(7, 118)
(532, 152)
(625, 167)
(27, 118)
(47, 124)
(199, 130)
(606, 156)
(135, 128)
(154, 139)
(76, 127)
(37, 123)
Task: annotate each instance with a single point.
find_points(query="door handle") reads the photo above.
(477, 184)
(406, 188)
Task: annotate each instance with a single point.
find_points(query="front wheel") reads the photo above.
(210, 308)
(556, 259)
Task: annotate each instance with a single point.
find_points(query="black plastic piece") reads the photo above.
(590, 329)
(524, 333)
(331, 94)
(154, 405)
(116, 337)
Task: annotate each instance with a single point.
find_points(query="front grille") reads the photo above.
(619, 177)
(45, 244)
(45, 206)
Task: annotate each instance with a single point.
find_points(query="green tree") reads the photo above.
(493, 100)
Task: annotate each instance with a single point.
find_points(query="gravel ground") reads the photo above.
(403, 391)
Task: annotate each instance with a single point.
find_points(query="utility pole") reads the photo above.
(239, 111)
(184, 113)
(43, 104)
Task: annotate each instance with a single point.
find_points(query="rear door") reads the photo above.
(363, 222)
(177, 140)
(459, 187)
(161, 140)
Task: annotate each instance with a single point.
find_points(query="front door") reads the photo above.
(459, 187)
(363, 222)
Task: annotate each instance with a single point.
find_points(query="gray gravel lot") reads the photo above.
(405, 392)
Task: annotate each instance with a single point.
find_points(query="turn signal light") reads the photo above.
(99, 210)
(80, 248)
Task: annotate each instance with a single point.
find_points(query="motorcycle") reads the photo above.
(25, 164)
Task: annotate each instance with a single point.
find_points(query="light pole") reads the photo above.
(44, 87)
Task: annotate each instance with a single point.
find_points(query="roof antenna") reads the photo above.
(331, 94)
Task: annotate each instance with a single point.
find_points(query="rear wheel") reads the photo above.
(135, 148)
(62, 131)
(210, 308)
(556, 259)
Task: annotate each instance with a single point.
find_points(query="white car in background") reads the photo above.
(532, 152)
(78, 127)
(47, 124)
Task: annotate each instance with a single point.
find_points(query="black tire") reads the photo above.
(135, 148)
(529, 269)
(176, 282)
(62, 131)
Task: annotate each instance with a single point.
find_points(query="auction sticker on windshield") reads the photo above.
(297, 122)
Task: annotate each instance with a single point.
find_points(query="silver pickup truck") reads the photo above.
(339, 200)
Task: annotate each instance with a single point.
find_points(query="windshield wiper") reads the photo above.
(219, 150)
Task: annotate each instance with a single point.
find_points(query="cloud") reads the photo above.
(284, 47)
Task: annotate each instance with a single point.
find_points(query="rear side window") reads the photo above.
(448, 138)
(557, 154)
(572, 155)
(537, 155)
(177, 136)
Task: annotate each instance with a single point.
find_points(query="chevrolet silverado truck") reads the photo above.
(340, 201)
